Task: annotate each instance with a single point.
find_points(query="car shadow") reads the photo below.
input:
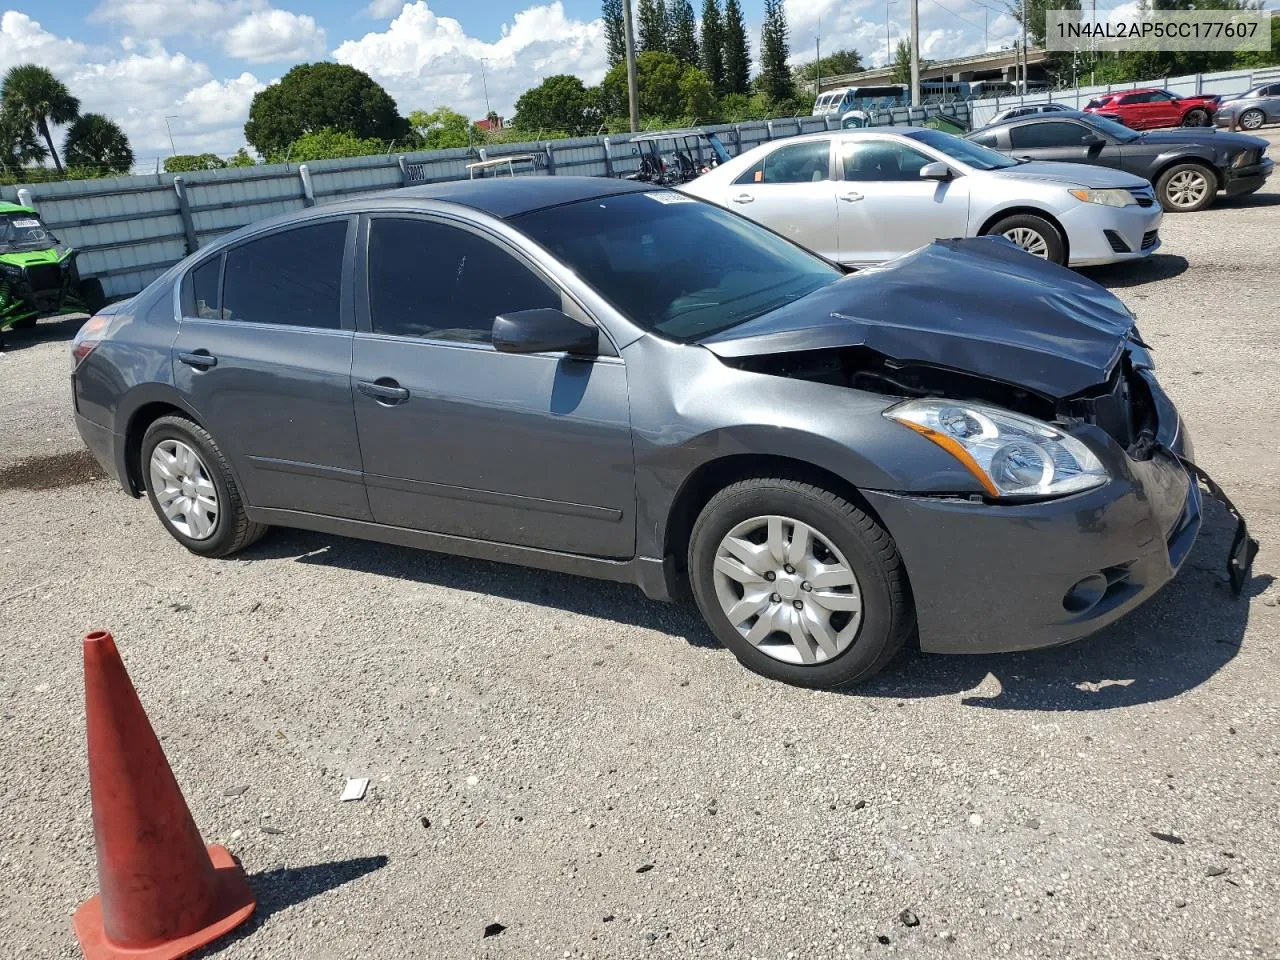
(1173, 643)
(1243, 201)
(278, 889)
(53, 330)
(620, 602)
(1135, 273)
(1169, 645)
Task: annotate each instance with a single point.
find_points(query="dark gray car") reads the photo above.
(1188, 167)
(602, 378)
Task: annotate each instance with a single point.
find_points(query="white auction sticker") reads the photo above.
(670, 196)
(26, 224)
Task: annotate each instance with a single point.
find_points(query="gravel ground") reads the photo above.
(591, 771)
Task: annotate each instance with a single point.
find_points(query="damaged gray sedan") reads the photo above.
(967, 444)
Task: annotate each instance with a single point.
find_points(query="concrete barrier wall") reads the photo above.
(129, 230)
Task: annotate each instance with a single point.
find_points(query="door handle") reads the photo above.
(742, 198)
(385, 390)
(200, 359)
(851, 196)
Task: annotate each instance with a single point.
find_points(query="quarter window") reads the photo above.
(429, 279)
(866, 160)
(797, 163)
(203, 299)
(291, 278)
(985, 139)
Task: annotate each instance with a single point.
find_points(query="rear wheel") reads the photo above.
(1252, 119)
(192, 489)
(800, 584)
(1036, 235)
(1196, 118)
(1186, 188)
(92, 295)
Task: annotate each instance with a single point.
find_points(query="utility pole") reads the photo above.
(817, 63)
(173, 151)
(633, 97)
(915, 52)
(888, 48)
(986, 43)
(487, 109)
(1024, 47)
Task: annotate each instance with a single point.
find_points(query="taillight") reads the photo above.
(88, 337)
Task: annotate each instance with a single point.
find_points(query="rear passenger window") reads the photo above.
(1053, 134)
(291, 278)
(429, 279)
(797, 163)
(202, 301)
(985, 139)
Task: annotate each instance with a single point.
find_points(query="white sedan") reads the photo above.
(865, 196)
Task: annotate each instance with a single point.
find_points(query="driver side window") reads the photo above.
(868, 160)
(434, 280)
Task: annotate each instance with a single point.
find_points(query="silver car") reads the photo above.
(866, 196)
(1251, 110)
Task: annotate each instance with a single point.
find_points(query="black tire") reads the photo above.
(91, 295)
(1169, 180)
(1252, 119)
(232, 529)
(26, 323)
(887, 615)
(1196, 118)
(1055, 245)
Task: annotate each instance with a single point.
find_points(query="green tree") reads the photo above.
(737, 52)
(94, 141)
(684, 32)
(20, 145)
(698, 95)
(242, 159)
(832, 65)
(713, 44)
(442, 129)
(35, 96)
(328, 145)
(558, 103)
(658, 77)
(615, 37)
(775, 74)
(190, 162)
(321, 96)
(652, 15)
(902, 63)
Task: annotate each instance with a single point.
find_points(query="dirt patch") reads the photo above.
(48, 473)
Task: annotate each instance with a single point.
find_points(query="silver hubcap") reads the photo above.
(787, 590)
(1187, 188)
(1251, 120)
(186, 495)
(1029, 240)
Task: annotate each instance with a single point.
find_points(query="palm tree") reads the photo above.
(95, 141)
(39, 98)
(19, 145)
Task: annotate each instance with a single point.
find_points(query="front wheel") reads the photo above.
(1186, 188)
(1252, 119)
(192, 489)
(800, 584)
(1196, 118)
(1036, 235)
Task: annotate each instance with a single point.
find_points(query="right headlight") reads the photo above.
(1010, 455)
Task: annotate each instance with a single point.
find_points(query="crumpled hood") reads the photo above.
(1076, 174)
(30, 258)
(979, 305)
(1207, 136)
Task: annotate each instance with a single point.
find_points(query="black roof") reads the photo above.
(511, 196)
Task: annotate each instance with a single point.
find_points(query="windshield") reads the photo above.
(967, 152)
(1116, 131)
(24, 230)
(675, 265)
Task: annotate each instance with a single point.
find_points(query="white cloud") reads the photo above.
(273, 35)
(165, 18)
(384, 9)
(23, 40)
(424, 59)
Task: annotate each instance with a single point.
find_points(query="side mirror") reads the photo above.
(544, 330)
(935, 171)
(1093, 140)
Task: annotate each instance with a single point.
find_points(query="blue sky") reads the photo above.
(197, 63)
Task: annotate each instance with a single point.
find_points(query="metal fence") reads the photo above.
(1226, 83)
(129, 230)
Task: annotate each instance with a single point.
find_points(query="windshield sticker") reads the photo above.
(670, 197)
(26, 224)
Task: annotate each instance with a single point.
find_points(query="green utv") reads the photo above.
(38, 276)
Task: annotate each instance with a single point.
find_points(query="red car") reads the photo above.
(1146, 109)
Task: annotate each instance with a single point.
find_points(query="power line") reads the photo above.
(939, 3)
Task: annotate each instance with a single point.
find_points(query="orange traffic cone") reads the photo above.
(163, 893)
